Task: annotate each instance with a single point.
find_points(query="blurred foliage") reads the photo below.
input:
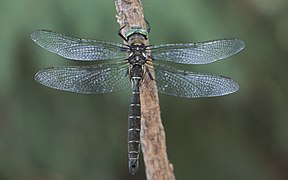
(52, 135)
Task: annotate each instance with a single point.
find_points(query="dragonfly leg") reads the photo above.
(148, 26)
(127, 72)
(121, 35)
(149, 73)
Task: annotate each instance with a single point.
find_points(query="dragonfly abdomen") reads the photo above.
(134, 120)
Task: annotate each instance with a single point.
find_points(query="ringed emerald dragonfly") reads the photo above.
(128, 64)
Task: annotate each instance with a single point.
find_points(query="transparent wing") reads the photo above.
(187, 84)
(78, 49)
(103, 78)
(197, 53)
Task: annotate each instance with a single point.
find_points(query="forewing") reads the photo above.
(187, 84)
(103, 78)
(78, 49)
(197, 53)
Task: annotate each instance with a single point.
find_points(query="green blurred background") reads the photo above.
(47, 134)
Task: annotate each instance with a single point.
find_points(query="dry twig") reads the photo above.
(130, 14)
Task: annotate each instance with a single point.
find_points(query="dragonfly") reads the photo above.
(125, 65)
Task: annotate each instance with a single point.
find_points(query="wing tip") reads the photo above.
(231, 86)
(241, 44)
(38, 77)
(36, 34)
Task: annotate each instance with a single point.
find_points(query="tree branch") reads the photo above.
(130, 14)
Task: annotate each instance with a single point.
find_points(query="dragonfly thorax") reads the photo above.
(137, 54)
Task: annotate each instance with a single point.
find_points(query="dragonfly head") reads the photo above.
(137, 30)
